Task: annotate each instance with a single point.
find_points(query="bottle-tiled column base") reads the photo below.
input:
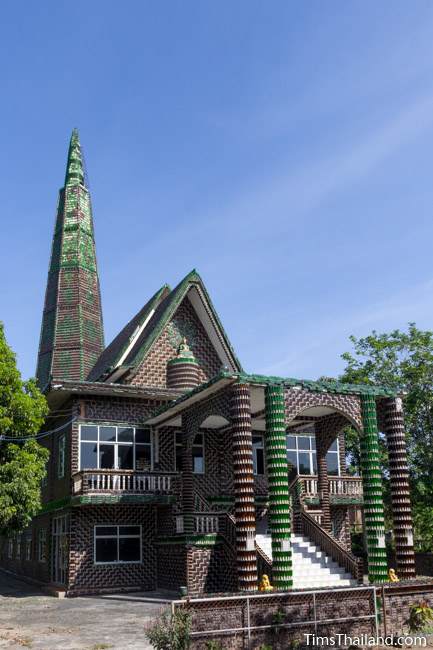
(373, 493)
(279, 504)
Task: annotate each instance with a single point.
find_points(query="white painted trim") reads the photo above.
(133, 338)
(201, 433)
(197, 300)
(312, 452)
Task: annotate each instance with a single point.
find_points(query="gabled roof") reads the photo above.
(112, 356)
(134, 342)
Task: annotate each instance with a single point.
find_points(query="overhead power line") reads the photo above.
(38, 435)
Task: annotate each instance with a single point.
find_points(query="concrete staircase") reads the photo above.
(312, 568)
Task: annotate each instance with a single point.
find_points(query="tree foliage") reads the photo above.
(403, 360)
(23, 409)
(170, 631)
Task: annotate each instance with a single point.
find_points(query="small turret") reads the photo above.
(182, 370)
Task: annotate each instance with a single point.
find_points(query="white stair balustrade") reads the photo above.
(312, 568)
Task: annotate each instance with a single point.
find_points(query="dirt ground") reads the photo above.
(30, 619)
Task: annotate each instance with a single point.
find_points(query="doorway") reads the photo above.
(60, 545)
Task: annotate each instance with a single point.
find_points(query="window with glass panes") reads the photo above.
(178, 451)
(61, 449)
(42, 545)
(115, 447)
(117, 544)
(333, 459)
(28, 543)
(301, 453)
(258, 455)
(198, 454)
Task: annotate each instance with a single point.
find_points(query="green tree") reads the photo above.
(403, 360)
(23, 409)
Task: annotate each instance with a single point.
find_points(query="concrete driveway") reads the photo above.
(30, 619)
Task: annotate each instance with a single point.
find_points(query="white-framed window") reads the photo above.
(333, 459)
(198, 454)
(61, 449)
(18, 547)
(10, 548)
(115, 447)
(117, 544)
(258, 455)
(28, 546)
(42, 545)
(301, 453)
(178, 451)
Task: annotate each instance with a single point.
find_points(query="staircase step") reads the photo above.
(312, 568)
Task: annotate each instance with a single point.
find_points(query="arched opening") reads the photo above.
(316, 455)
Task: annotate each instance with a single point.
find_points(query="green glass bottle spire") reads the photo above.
(72, 334)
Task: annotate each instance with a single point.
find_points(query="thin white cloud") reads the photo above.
(271, 205)
(295, 193)
(413, 304)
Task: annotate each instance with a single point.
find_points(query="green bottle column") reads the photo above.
(278, 479)
(373, 493)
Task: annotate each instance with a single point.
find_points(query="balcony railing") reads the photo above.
(124, 482)
(206, 523)
(341, 486)
(203, 524)
(348, 487)
(331, 546)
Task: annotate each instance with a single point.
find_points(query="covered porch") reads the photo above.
(243, 407)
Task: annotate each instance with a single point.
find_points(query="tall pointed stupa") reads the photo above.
(72, 335)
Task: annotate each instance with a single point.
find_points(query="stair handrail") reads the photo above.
(264, 555)
(229, 519)
(331, 546)
(296, 489)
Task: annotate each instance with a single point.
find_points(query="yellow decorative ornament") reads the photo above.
(264, 584)
(393, 576)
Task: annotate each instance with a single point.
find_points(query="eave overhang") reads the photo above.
(225, 378)
(202, 392)
(60, 391)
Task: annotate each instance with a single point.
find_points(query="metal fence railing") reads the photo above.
(310, 609)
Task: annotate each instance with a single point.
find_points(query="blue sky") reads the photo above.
(284, 149)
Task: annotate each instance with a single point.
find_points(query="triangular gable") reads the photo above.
(114, 355)
(190, 291)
